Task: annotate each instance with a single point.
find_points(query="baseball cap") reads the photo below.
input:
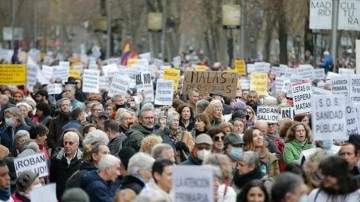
(104, 114)
(204, 139)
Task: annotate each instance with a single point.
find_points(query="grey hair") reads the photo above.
(62, 100)
(145, 109)
(28, 107)
(117, 95)
(96, 136)
(215, 170)
(148, 106)
(73, 135)
(108, 161)
(250, 158)
(202, 104)
(30, 144)
(72, 86)
(94, 105)
(151, 195)
(16, 112)
(21, 133)
(156, 151)
(270, 101)
(140, 161)
(285, 182)
(120, 114)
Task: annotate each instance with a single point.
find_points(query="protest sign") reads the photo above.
(320, 14)
(172, 74)
(110, 70)
(355, 88)
(328, 117)
(104, 83)
(207, 82)
(287, 113)
(119, 85)
(302, 97)
(176, 61)
(340, 85)
(349, 15)
(250, 68)
(262, 67)
(164, 92)
(200, 68)
(269, 114)
(287, 88)
(146, 56)
(54, 88)
(144, 83)
(92, 64)
(244, 84)
(305, 72)
(357, 56)
(331, 75)
(61, 72)
(31, 75)
(12, 74)
(91, 83)
(279, 83)
(258, 82)
(240, 66)
(352, 121)
(40, 76)
(35, 162)
(343, 71)
(74, 73)
(116, 61)
(196, 185)
(289, 72)
(143, 64)
(47, 71)
(45, 193)
(157, 62)
(6, 55)
(319, 73)
(320, 91)
(277, 71)
(78, 67)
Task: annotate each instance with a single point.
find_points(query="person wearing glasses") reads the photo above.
(217, 135)
(66, 162)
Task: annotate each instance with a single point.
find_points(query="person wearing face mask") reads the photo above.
(233, 144)
(25, 183)
(203, 147)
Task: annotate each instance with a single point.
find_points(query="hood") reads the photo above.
(87, 165)
(89, 178)
(140, 128)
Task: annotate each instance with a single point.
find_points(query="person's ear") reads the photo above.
(156, 176)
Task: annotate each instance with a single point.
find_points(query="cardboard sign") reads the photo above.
(328, 117)
(352, 121)
(305, 72)
(12, 74)
(54, 88)
(110, 70)
(74, 73)
(262, 67)
(225, 82)
(119, 85)
(355, 88)
(258, 82)
(91, 81)
(36, 163)
(196, 185)
(269, 114)
(320, 14)
(31, 75)
(319, 73)
(46, 193)
(144, 83)
(244, 84)
(240, 66)
(287, 113)
(349, 15)
(302, 97)
(172, 74)
(340, 85)
(343, 71)
(164, 92)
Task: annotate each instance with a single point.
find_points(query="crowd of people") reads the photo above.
(102, 148)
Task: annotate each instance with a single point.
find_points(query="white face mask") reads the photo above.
(202, 154)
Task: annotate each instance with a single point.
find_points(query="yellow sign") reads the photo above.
(74, 73)
(240, 67)
(200, 68)
(12, 74)
(172, 74)
(258, 82)
(132, 62)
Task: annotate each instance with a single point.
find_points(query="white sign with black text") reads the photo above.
(91, 82)
(144, 85)
(302, 97)
(119, 85)
(269, 114)
(36, 163)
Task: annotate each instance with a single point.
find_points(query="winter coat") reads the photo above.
(192, 161)
(17, 197)
(115, 144)
(240, 180)
(293, 150)
(97, 188)
(137, 132)
(60, 170)
(152, 187)
(318, 195)
(132, 182)
(74, 179)
(7, 136)
(55, 129)
(72, 124)
(46, 121)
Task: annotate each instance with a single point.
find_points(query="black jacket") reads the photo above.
(74, 180)
(132, 182)
(7, 137)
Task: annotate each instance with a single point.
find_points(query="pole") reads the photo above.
(62, 27)
(335, 14)
(14, 3)
(35, 23)
(163, 32)
(242, 29)
(108, 35)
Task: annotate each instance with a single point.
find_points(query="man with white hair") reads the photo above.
(66, 162)
(327, 63)
(163, 151)
(95, 183)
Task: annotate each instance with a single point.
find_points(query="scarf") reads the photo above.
(241, 180)
(5, 194)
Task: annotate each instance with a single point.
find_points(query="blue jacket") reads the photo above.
(72, 124)
(97, 189)
(7, 136)
(76, 103)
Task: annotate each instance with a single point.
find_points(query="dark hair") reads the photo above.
(76, 113)
(285, 183)
(242, 196)
(112, 125)
(202, 117)
(159, 165)
(296, 169)
(182, 106)
(43, 92)
(86, 128)
(111, 105)
(36, 130)
(3, 163)
(214, 131)
(125, 154)
(45, 108)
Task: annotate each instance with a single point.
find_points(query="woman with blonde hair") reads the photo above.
(298, 138)
(254, 141)
(214, 113)
(252, 116)
(225, 192)
(149, 142)
(226, 127)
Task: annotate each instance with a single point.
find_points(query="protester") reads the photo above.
(253, 100)
(226, 127)
(69, 92)
(349, 153)
(96, 108)
(252, 116)
(25, 183)
(138, 131)
(253, 191)
(203, 147)
(217, 136)
(186, 117)
(116, 138)
(193, 97)
(214, 113)
(202, 125)
(125, 195)
(75, 195)
(263, 126)
(288, 187)
(201, 105)
(19, 139)
(233, 147)
(5, 191)
(77, 117)
(149, 142)
(42, 115)
(124, 120)
(25, 108)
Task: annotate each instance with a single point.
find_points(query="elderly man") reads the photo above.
(143, 128)
(163, 151)
(116, 138)
(120, 102)
(288, 187)
(69, 92)
(95, 182)
(66, 162)
(125, 120)
(193, 97)
(95, 110)
(203, 147)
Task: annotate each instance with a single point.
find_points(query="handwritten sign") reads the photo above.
(287, 113)
(12, 74)
(302, 97)
(119, 85)
(355, 88)
(269, 114)
(340, 85)
(240, 66)
(36, 163)
(91, 81)
(172, 74)
(144, 83)
(164, 92)
(258, 82)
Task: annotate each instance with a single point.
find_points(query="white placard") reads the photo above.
(262, 67)
(144, 83)
(119, 85)
(355, 88)
(250, 68)
(91, 83)
(320, 91)
(269, 114)
(40, 77)
(277, 71)
(177, 61)
(47, 71)
(34, 54)
(196, 185)
(320, 14)
(328, 117)
(352, 121)
(79, 68)
(305, 72)
(345, 71)
(164, 92)
(110, 70)
(46, 193)
(104, 83)
(302, 97)
(279, 83)
(146, 56)
(31, 75)
(54, 88)
(287, 88)
(349, 15)
(331, 75)
(95, 52)
(61, 72)
(287, 113)
(116, 61)
(142, 64)
(319, 73)
(36, 163)
(340, 85)
(357, 56)
(244, 84)
(289, 72)
(158, 63)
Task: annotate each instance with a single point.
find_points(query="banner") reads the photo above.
(269, 114)
(91, 83)
(172, 74)
(258, 82)
(12, 74)
(328, 117)
(240, 66)
(349, 15)
(196, 185)
(119, 85)
(164, 92)
(302, 97)
(340, 85)
(144, 83)
(320, 14)
(36, 163)
(207, 82)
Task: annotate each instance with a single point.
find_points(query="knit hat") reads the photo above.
(75, 195)
(239, 114)
(19, 92)
(25, 179)
(204, 139)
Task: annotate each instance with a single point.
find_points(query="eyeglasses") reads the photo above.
(249, 112)
(69, 143)
(218, 138)
(238, 97)
(203, 147)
